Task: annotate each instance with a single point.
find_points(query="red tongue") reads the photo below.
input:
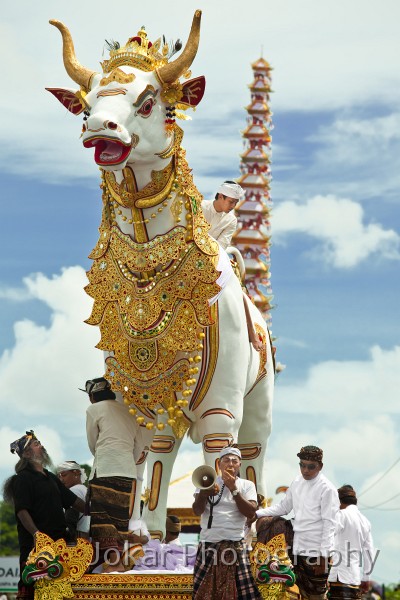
(106, 151)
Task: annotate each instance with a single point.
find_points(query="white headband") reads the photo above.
(71, 465)
(232, 190)
(230, 450)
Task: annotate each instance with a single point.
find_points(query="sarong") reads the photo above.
(343, 591)
(109, 510)
(310, 585)
(222, 572)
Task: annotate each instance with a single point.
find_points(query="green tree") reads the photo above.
(8, 530)
(392, 591)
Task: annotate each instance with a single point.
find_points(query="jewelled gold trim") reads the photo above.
(209, 363)
(215, 442)
(217, 411)
(250, 451)
(162, 443)
(119, 76)
(175, 143)
(151, 302)
(260, 332)
(152, 194)
(140, 587)
(251, 475)
(155, 485)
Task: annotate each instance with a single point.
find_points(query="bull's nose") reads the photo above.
(111, 125)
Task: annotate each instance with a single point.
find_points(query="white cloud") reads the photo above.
(50, 438)
(325, 57)
(347, 387)
(41, 373)
(360, 156)
(338, 223)
(291, 342)
(358, 139)
(15, 294)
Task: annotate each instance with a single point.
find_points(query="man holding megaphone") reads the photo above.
(224, 502)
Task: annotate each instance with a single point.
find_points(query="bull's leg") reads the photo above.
(160, 462)
(255, 430)
(143, 442)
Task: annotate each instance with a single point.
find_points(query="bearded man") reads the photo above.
(39, 500)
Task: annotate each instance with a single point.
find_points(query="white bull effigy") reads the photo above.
(169, 308)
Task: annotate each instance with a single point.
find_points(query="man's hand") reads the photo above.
(229, 479)
(201, 498)
(213, 491)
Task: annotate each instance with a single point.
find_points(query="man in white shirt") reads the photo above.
(73, 477)
(221, 569)
(314, 501)
(111, 433)
(218, 212)
(223, 224)
(353, 547)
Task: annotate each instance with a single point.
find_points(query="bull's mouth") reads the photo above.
(108, 151)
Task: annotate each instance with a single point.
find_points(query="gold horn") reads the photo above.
(75, 70)
(172, 71)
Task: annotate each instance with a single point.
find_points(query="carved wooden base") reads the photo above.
(141, 587)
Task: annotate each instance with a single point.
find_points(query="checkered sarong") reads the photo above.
(222, 572)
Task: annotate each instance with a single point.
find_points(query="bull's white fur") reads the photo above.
(238, 363)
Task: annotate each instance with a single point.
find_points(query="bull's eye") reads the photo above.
(147, 107)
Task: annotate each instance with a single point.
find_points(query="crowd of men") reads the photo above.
(331, 538)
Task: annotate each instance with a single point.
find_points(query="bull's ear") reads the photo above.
(193, 91)
(73, 101)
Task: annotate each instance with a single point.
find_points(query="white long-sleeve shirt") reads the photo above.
(223, 225)
(111, 433)
(315, 503)
(353, 546)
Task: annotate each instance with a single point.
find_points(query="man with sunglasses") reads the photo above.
(314, 502)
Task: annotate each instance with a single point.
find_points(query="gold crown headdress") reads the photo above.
(138, 52)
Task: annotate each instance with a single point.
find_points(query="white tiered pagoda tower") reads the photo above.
(252, 237)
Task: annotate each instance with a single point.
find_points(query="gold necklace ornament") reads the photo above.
(151, 295)
(152, 194)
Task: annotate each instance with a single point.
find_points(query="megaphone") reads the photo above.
(204, 477)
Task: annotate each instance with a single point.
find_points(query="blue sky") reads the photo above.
(336, 223)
